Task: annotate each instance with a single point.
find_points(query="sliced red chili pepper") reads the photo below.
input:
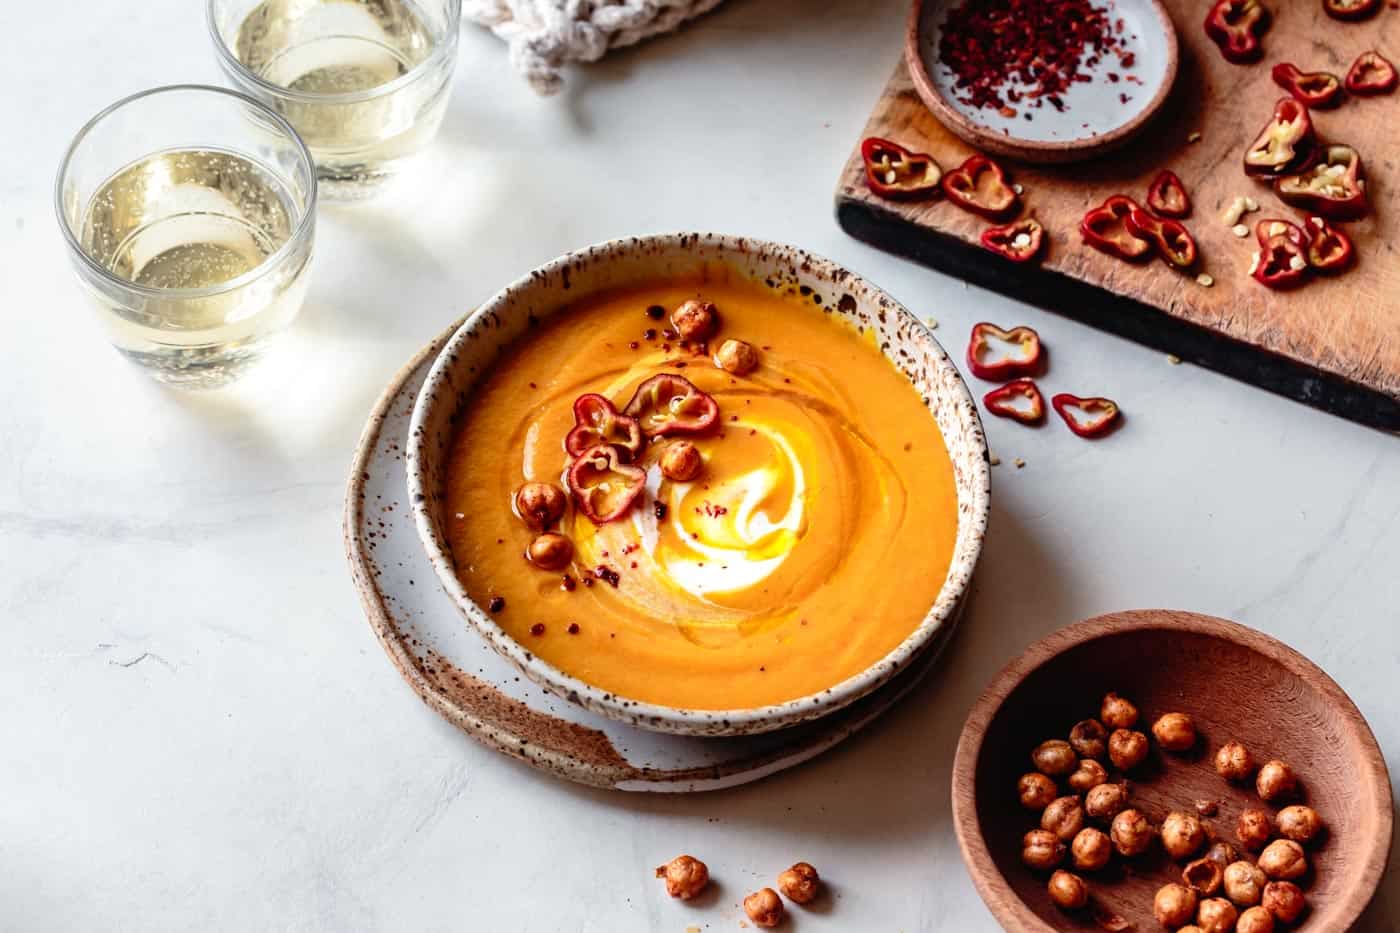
(1317, 89)
(1270, 227)
(1087, 417)
(1235, 26)
(1329, 250)
(1020, 241)
(980, 185)
(604, 487)
(896, 173)
(1349, 10)
(1174, 242)
(1167, 195)
(596, 422)
(1335, 187)
(1022, 357)
(672, 404)
(1020, 399)
(1371, 74)
(1281, 264)
(1284, 144)
(1105, 228)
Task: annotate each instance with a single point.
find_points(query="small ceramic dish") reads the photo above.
(1237, 684)
(1098, 116)
(850, 300)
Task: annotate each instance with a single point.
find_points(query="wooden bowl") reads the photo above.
(1100, 115)
(1236, 683)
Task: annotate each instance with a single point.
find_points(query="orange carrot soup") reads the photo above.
(703, 494)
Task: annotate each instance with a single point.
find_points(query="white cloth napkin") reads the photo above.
(546, 34)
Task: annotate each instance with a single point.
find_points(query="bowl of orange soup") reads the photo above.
(698, 483)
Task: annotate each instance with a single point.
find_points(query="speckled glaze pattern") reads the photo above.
(512, 312)
(459, 676)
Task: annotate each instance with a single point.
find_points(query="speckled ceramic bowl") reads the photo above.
(510, 313)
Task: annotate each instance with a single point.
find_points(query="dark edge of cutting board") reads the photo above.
(1117, 315)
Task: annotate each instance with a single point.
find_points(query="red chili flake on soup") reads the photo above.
(573, 628)
(537, 629)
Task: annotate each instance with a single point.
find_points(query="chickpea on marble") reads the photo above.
(1244, 883)
(1182, 834)
(1284, 900)
(1233, 762)
(685, 876)
(800, 883)
(1042, 850)
(1055, 758)
(1068, 890)
(1176, 732)
(1118, 713)
(1174, 905)
(1275, 781)
(764, 908)
(1127, 749)
(1036, 790)
(1089, 738)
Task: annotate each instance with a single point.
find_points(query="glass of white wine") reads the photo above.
(189, 213)
(365, 82)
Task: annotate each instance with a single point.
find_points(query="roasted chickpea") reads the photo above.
(1283, 860)
(764, 908)
(1233, 762)
(1087, 738)
(681, 461)
(1299, 823)
(1117, 713)
(1131, 833)
(1176, 732)
(1255, 920)
(1276, 781)
(1054, 758)
(1042, 850)
(1204, 876)
(1182, 834)
(1091, 849)
(1222, 853)
(1190, 928)
(1106, 801)
(685, 876)
(800, 883)
(1036, 790)
(1244, 883)
(1087, 776)
(540, 505)
(1064, 817)
(695, 320)
(1068, 891)
(1216, 915)
(1254, 828)
(1284, 900)
(1127, 749)
(550, 551)
(736, 357)
(1174, 905)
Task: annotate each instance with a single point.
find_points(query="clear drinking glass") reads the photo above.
(190, 213)
(365, 82)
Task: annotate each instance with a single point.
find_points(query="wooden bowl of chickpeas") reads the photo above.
(1156, 769)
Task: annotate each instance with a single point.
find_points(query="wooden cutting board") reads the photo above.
(1334, 343)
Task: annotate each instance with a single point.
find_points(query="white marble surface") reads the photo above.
(199, 730)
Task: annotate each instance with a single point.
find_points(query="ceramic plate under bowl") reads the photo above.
(1237, 684)
(1098, 115)
(457, 674)
(851, 302)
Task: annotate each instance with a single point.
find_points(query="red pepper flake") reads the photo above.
(634, 565)
(712, 510)
(607, 574)
(573, 628)
(994, 46)
(537, 629)
(496, 604)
